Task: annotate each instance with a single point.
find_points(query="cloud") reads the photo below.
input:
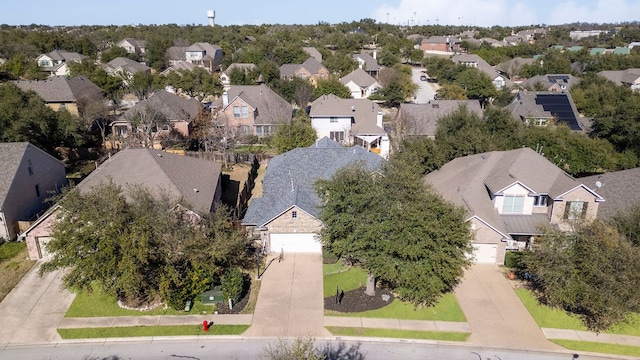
(488, 13)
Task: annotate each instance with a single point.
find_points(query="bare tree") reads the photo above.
(94, 111)
(147, 122)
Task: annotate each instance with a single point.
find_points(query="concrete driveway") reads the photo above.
(426, 90)
(495, 314)
(290, 303)
(32, 311)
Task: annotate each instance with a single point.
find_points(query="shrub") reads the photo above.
(232, 284)
(512, 259)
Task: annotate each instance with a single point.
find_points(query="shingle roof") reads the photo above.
(290, 178)
(513, 66)
(535, 104)
(176, 53)
(628, 76)
(191, 181)
(466, 180)
(313, 52)
(548, 80)
(359, 77)
(482, 64)
(127, 64)
(289, 70)
(311, 64)
(174, 107)
(371, 64)
(10, 157)
(620, 189)
(241, 66)
(61, 88)
(314, 66)
(363, 111)
(61, 55)
(271, 107)
(422, 119)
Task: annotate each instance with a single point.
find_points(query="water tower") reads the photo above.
(212, 17)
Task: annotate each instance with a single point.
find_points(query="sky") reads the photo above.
(482, 13)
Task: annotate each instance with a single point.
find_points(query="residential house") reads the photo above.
(63, 93)
(621, 189)
(313, 52)
(285, 218)
(177, 67)
(28, 178)
(581, 34)
(368, 63)
(542, 108)
(133, 46)
(360, 83)
(125, 68)
(225, 76)
(551, 82)
(513, 67)
(629, 78)
(436, 44)
(205, 55)
(475, 61)
(509, 196)
(251, 110)
(177, 111)
(175, 54)
(55, 63)
(311, 70)
(350, 122)
(422, 119)
(192, 183)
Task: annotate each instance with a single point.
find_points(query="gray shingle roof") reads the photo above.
(174, 107)
(513, 66)
(548, 80)
(370, 63)
(245, 67)
(359, 77)
(620, 189)
(527, 105)
(271, 107)
(311, 64)
(363, 111)
(191, 181)
(620, 77)
(126, 64)
(466, 180)
(290, 178)
(482, 65)
(61, 88)
(176, 53)
(422, 119)
(10, 157)
(313, 52)
(61, 55)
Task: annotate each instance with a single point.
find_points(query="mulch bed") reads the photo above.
(223, 308)
(357, 301)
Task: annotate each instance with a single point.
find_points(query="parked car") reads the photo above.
(423, 77)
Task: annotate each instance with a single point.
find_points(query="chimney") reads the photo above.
(225, 99)
(379, 120)
(375, 54)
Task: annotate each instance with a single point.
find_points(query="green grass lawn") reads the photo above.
(98, 304)
(447, 308)
(10, 249)
(403, 334)
(178, 330)
(599, 347)
(548, 317)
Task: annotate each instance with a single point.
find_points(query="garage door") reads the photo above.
(295, 243)
(485, 253)
(42, 244)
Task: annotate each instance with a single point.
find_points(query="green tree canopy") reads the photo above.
(412, 240)
(331, 86)
(298, 133)
(132, 246)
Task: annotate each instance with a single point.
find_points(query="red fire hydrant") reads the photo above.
(205, 325)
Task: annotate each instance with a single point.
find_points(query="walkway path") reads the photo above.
(291, 302)
(495, 313)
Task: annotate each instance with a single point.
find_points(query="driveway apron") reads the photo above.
(35, 307)
(290, 303)
(495, 314)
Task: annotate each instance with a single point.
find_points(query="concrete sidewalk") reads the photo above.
(125, 321)
(577, 335)
(378, 323)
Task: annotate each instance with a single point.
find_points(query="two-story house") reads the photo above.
(551, 82)
(133, 46)
(368, 63)
(63, 93)
(629, 78)
(251, 110)
(350, 122)
(509, 196)
(225, 76)
(28, 178)
(475, 61)
(55, 63)
(440, 44)
(205, 55)
(125, 68)
(311, 70)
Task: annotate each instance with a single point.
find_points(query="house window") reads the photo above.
(540, 122)
(37, 190)
(30, 169)
(333, 119)
(294, 214)
(513, 204)
(236, 111)
(259, 130)
(63, 106)
(245, 129)
(165, 127)
(336, 135)
(574, 210)
(540, 200)
(245, 112)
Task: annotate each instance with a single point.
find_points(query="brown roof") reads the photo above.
(422, 119)
(190, 181)
(172, 106)
(271, 107)
(61, 89)
(359, 77)
(620, 189)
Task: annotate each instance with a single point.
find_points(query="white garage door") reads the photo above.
(485, 253)
(42, 244)
(295, 243)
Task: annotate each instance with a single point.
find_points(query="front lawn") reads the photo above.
(135, 331)
(548, 317)
(447, 308)
(14, 264)
(402, 334)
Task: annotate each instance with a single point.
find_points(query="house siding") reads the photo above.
(324, 126)
(483, 234)
(559, 208)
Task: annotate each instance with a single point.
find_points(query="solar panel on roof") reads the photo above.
(558, 78)
(559, 106)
